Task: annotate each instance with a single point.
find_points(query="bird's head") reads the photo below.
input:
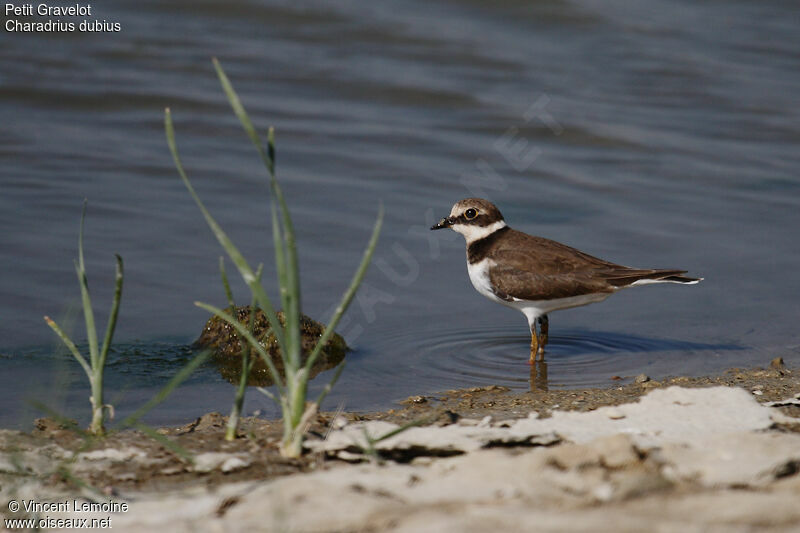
(474, 218)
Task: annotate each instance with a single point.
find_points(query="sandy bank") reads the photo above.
(689, 454)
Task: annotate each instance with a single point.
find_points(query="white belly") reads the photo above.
(532, 309)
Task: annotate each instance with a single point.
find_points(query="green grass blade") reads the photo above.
(112, 317)
(242, 115)
(165, 391)
(292, 296)
(280, 262)
(269, 395)
(331, 383)
(225, 284)
(247, 350)
(298, 392)
(88, 313)
(397, 431)
(233, 252)
(271, 151)
(351, 291)
(267, 156)
(243, 332)
(290, 359)
(292, 309)
(70, 345)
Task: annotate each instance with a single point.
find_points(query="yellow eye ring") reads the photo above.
(470, 213)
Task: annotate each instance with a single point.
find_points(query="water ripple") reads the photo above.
(574, 358)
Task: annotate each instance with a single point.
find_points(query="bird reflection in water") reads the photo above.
(539, 376)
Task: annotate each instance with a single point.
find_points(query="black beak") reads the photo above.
(444, 223)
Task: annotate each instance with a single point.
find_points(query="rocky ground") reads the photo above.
(717, 453)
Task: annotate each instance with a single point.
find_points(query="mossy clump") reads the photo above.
(223, 339)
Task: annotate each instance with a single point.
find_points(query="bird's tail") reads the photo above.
(627, 277)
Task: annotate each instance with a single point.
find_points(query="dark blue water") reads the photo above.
(660, 134)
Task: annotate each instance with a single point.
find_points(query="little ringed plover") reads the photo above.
(536, 275)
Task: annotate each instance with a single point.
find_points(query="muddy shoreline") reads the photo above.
(258, 438)
(51, 460)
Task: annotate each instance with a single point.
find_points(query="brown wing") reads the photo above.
(535, 268)
(510, 283)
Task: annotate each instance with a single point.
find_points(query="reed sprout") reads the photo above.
(95, 366)
(292, 387)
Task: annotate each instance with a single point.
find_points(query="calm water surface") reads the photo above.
(664, 134)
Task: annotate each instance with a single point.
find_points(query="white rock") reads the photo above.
(662, 416)
(672, 415)
(452, 438)
(784, 403)
(112, 454)
(733, 460)
(226, 462)
(615, 414)
(234, 463)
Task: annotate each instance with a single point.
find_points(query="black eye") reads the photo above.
(470, 213)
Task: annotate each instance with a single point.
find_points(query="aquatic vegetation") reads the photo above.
(292, 387)
(97, 354)
(227, 347)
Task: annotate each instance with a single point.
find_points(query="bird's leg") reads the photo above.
(534, 343)
(544, 327)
